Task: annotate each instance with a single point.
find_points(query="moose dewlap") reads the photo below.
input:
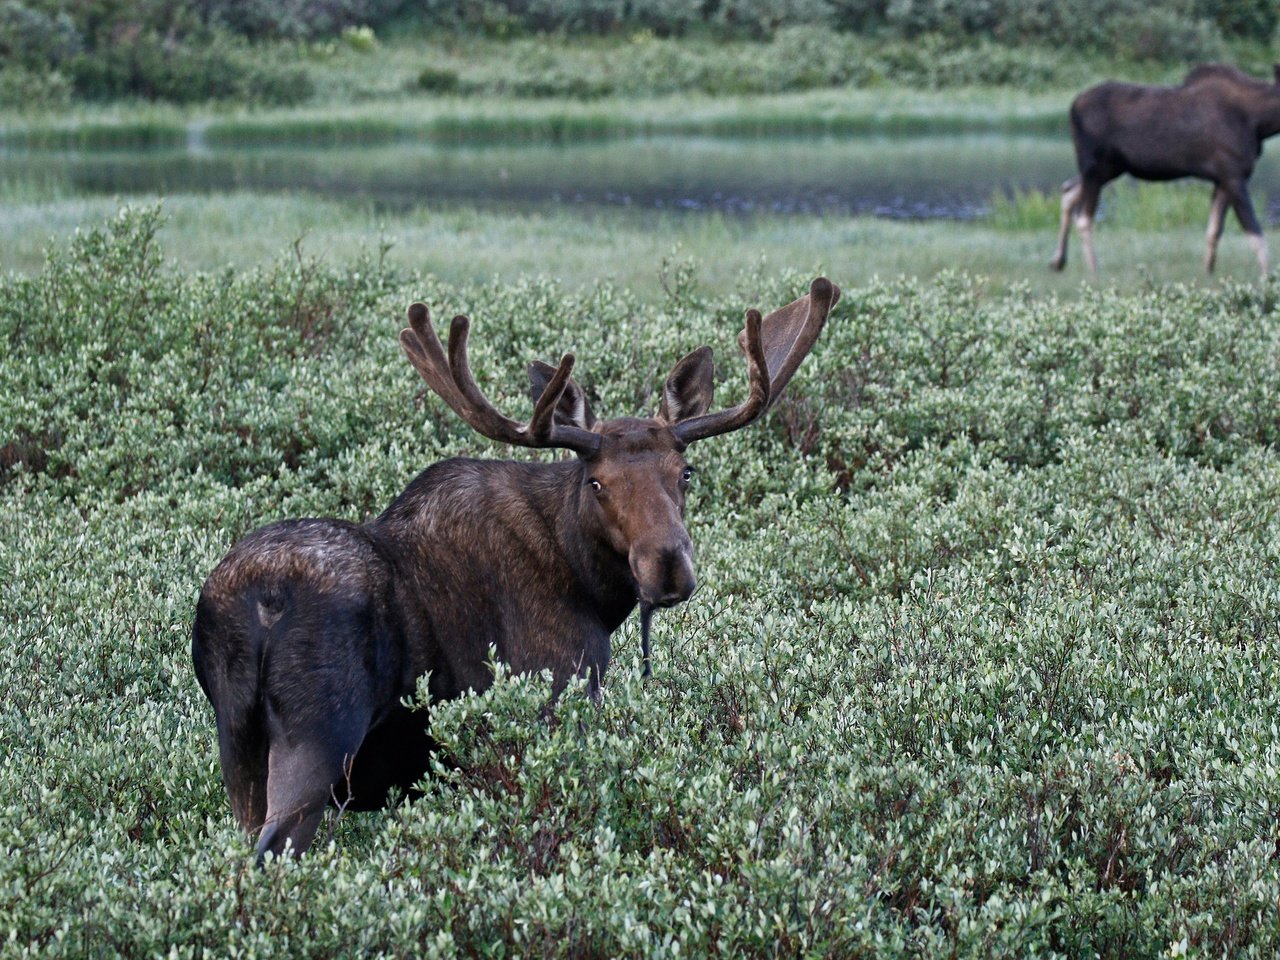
(310, 633)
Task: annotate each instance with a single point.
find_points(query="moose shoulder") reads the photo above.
(310, 633)
(1212, 126)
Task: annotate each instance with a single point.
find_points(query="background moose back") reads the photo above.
(1212, 127)
(310, 633)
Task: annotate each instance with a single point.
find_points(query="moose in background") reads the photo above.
(310, 634)
(1211, 127)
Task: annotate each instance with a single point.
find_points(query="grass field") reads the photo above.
(982, 663)
(1150, 235)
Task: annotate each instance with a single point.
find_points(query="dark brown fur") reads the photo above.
(1211, 127)
(310, 633)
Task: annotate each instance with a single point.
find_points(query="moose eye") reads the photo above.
(687, 475)
(596, 485)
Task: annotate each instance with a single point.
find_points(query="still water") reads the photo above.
(920, 177)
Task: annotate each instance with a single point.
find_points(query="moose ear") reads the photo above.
(687, 392)
(573, 409)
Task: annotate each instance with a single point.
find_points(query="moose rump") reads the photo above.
(297, 644)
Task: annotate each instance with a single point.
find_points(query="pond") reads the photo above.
(916, 177)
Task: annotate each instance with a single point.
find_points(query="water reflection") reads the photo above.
(931, 177)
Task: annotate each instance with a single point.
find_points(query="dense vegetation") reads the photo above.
(51, 50)
(981, 665)
(212, 50)
(1162, 30)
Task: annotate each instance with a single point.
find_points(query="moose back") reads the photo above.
(310, 633)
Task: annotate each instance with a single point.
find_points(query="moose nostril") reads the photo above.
(675, 596)
(664, 577)
(679, 581)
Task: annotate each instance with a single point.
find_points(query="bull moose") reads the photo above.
(1211, 127)
(310, 634)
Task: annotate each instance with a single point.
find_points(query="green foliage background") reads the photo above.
(982, 663)
(53, 52)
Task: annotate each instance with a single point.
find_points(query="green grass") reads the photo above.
(487, 119)
(981, 664)
(480, 120)
(467, 246)
(96, 126)
(806, 81)
(1129, 204)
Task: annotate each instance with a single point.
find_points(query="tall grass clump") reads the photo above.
(497, 120)
(1024, 210)
(1161, 206)
(981, 664)
(1149, 207)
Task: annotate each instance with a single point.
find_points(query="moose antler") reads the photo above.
(774, 347)
(451, 378)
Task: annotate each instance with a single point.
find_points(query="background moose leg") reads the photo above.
(1071, 192)
(1217, 218)
(1086, 208)
(393, 757)
(1243, 206)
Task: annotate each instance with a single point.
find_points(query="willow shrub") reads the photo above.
(983, 662)
(794, 58)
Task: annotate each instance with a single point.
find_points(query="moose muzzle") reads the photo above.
(664, 572)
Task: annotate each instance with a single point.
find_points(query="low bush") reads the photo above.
(1126, 29)
(24, 90)
(293, 19)
(436, 80)
(981, 664)
(1255, 19)
(1113, 27)
(150, 51)
(34, 39)
(211, 67)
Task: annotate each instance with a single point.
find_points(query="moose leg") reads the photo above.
(1217, 218)
(300, 784)
(1259, 244)
(243, 753)
(1085, 211)
(314, 735)
(1071, 191)
(1243, 206)
(298, 789)
(394, 756)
